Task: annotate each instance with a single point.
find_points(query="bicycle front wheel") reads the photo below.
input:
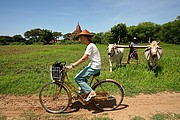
(109, 96)
(54, 97)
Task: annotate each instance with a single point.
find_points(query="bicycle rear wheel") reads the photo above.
(109, 96)
(54, 97)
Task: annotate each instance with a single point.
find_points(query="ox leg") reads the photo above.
(110, 63)
(120, 62)
(149, 65)
(154, 67)
(110, 66)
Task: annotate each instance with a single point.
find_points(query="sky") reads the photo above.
(19, 16)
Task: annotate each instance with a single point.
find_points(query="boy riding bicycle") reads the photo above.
(93, 67)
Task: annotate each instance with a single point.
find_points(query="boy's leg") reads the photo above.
(82, 78)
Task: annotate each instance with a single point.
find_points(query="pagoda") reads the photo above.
(76, 32)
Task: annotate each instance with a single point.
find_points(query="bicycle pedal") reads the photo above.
(75, 98)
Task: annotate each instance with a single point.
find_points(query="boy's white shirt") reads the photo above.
(94, 55)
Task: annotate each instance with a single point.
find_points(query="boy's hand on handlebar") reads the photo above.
(69, 67)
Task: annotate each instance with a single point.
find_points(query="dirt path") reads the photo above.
(23, 107)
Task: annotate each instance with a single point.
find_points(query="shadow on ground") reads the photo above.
(76, 106)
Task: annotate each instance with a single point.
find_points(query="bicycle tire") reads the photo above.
(111, 94)
(54, 97)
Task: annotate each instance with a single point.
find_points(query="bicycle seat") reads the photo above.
(97, 74)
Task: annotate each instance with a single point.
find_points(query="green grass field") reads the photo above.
(24, 69)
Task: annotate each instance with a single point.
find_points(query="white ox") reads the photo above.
(153, 54)
(115, 55)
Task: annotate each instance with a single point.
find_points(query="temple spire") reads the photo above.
(77, 31)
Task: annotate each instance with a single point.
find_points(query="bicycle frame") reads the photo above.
(67, 83)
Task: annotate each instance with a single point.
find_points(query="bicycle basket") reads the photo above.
(56, 71)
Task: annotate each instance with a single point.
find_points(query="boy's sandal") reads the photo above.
(91, 95)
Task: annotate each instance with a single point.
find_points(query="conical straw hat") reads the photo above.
(85, 32)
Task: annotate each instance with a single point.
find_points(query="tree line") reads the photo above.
(120, 33)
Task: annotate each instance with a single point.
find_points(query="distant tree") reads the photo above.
(119, 33)
(97, 38)
(178, 18)
(146, 30)
(5, 40)
(46, 36)
(27, 35)
(57, 35)
(108, 37)
(75, 38)
(33, 34)
(42, 35)
(170, 32)
(18, 38)
(131, 32)
(67, 36)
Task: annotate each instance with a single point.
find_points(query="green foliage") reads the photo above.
(33, 34)
(103, 38)
(46, 36)
(18, 38)
(67, 36)
(37, 35)
(56, 35)
(5, 40)
(119, 33)
(98, 38)
(137, 118)
(170, 32)
(29, 115)
(161, 116)
(24, 69)
(146, 30)
(100, 118)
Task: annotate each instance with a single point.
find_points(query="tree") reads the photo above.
(38, 35)
(33, 34)
(18, 38)
(46, 36)
(67, 36)
(5, 40)
(56, 35)
(131, 32)
(108, 37)
(146, 30)
(119, 33)
(97, 38)
(75, 38)
(170, 32)
(178, 18)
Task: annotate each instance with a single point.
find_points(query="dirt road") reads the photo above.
(28, 107)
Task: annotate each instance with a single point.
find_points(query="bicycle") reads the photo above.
(56, 96)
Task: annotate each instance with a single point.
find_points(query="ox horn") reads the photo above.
(158, 42)
(149, 41)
